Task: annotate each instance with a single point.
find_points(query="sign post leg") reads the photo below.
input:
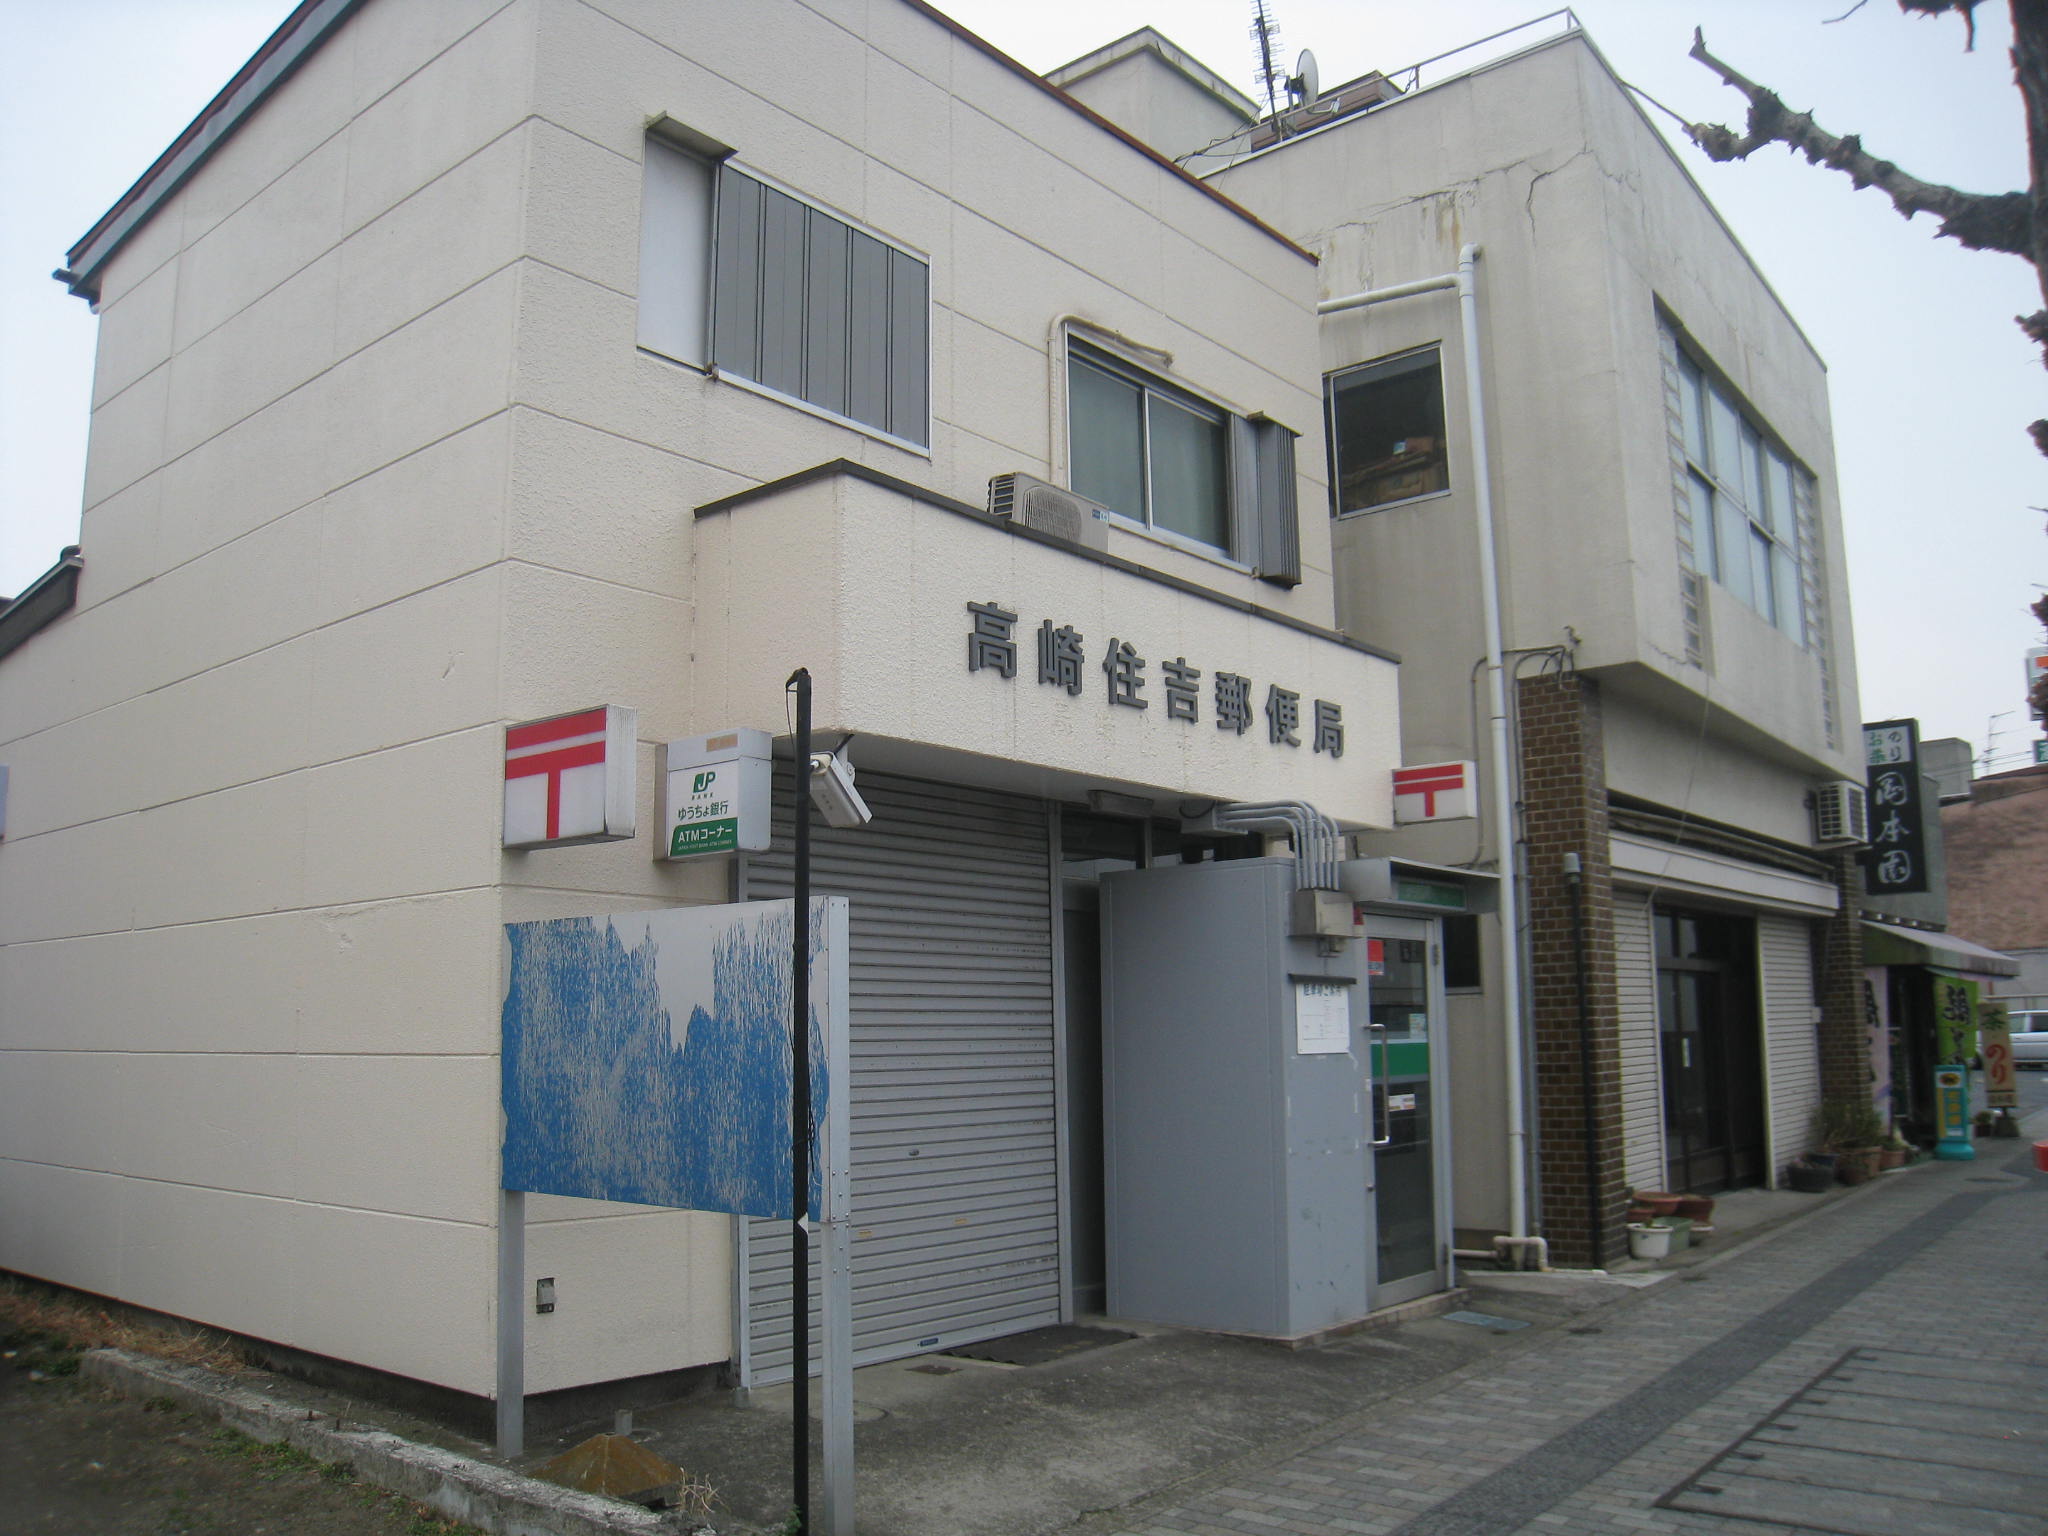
(800, 1117)
(511, 1434)
(838, 1384)
(838, 1236)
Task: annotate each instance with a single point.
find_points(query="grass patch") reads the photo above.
(77, 1323)
(267, 1459)
(273, 1460)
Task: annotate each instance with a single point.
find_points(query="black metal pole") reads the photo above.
(1574, 879)
(800, 1115)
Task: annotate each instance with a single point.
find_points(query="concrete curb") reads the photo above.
(490, 1497)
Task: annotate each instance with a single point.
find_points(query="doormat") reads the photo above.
(1040, 1346)
(1485, 1320)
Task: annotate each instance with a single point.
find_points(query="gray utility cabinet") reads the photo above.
(1236, 1112)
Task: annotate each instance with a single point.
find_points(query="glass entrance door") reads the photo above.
(1711, 1053)
(1403, 996)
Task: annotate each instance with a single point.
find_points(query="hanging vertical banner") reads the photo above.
(1955, 1018)
(1994, 1046)
(1895, 863)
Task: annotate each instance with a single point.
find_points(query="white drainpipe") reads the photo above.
(1497, 696)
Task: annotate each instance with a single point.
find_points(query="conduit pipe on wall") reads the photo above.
(1462, 282)
(1315, 835)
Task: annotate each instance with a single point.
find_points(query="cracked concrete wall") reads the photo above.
(1594, 239)
(1592, 235)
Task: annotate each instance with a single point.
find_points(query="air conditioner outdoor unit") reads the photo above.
(1031, 503)
(1839, 817)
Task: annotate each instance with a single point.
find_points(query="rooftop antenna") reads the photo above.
(1991, 734)
(1266, 33)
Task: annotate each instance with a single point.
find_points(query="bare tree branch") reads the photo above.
(1942, 8)
(1982, 221)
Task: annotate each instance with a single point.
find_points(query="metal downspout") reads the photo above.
(1497, 700)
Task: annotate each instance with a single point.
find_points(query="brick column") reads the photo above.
(1564, 800)
(1844, 1032)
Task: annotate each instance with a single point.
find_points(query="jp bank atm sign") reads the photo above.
(715, 794)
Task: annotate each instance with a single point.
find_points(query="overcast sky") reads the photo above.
(1932, 385)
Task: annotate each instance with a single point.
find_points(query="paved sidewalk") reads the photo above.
(1869, 1362)
(1881, 1367)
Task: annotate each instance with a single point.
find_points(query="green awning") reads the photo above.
(1890, 944)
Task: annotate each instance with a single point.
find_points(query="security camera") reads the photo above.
(833, 794)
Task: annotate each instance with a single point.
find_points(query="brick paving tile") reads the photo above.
(1583, 1433)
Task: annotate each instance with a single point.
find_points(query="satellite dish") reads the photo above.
(1305, 86)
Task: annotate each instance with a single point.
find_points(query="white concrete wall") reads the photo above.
(877, 606)
(1587, 225)
(376, 467)
(1146, 96)
(1667, 750)
(1591, 234)
(1027, 212)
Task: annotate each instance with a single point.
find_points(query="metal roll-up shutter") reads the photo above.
(954, 1132)
(1642, 1091)
(1784, 947)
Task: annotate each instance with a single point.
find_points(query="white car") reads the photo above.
(2030, 1037)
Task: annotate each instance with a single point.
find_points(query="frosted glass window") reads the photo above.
(675, 253)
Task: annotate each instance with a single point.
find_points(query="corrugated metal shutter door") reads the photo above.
(955, 1174)
(1784, 948)
(1642, 1090)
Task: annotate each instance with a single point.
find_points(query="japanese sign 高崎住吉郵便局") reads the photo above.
(1234, 707)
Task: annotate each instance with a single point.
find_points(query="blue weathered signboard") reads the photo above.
(646, 1055)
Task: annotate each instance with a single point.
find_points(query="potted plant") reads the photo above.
(1810, 1176)
(1895, 1153)
(1852, 1129)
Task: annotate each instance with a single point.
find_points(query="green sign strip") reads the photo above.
(1405, 1058)
(705, 837)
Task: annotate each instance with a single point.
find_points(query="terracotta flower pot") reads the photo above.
(1856, 1165)
(1698, 1207)
(1662, 1203)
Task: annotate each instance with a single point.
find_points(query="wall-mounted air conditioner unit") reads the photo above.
(1839, 817)
(1031, 503)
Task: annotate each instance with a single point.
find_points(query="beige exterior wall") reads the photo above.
(246, 901)
(376, 467)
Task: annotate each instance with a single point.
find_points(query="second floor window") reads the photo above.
(771, 289)
(1387, 432)
(1745, 508)
(1185, 467)
(1142, 448)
